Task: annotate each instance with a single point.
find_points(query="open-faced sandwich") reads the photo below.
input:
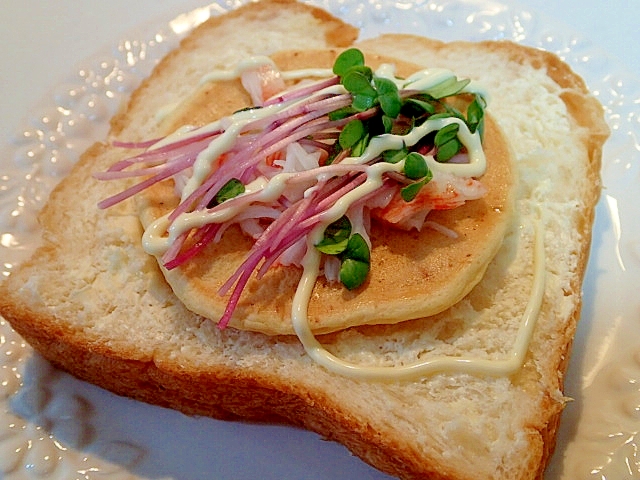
(382, 241)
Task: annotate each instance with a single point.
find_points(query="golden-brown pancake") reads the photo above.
(413, 274)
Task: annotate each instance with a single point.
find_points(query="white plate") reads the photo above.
(54, 426)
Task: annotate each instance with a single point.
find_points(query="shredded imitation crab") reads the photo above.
(314, 141)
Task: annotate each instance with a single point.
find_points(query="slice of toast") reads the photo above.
(95, 304)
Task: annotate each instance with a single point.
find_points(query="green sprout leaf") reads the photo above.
(419, 107)
(336, 237)
(475, 115)
(358, 81)
(362, 102)
(394, 156)
(229, 190)
(352, 250)
(384, 86)
(353, 273)
(447, 143)
(387, 124)
(360, 146)
(411, 191)
(341, 113)
(415, 166)
(388, 96)
(357, 248)
(355, 265)
(390, 104)
(447, 88)
(448, 150)
(351, 134)
(331, 247)
(447, 114)
(446, 134)
(351, 57)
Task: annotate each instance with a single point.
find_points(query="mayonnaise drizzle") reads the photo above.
(427, 79)
(421, 368)
(156, 243)
(222, 144)
(160, 235)
(155, 240)
(476, 166)
(307, 73)
(245, 65)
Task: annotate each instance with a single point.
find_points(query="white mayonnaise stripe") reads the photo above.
(427, 79)
(245, 65)
(374, 181)
(429, 366)
(307, 73)
(476, 166)
(236, 122)
(154, 240)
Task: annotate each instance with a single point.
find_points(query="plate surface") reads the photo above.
(53, 426)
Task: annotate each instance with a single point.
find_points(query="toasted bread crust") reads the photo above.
(80, 310)
(229, 394)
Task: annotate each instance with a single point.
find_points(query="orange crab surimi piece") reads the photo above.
(262, 83)
(443, 192)
(270, 159)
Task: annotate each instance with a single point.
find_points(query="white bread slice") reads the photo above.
(92, 302)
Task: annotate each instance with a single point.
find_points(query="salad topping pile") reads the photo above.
(325, 155)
